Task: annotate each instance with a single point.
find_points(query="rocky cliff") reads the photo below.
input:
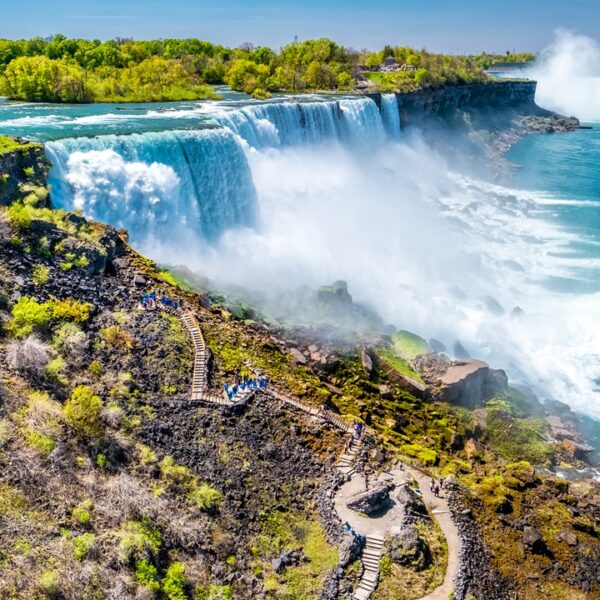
(23, 166)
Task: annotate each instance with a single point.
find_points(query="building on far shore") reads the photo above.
(389, 65)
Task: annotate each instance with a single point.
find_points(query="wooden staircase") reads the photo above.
(372, 551)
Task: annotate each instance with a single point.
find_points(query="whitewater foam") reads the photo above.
(289, 193)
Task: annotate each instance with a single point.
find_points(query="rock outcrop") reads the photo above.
(373, 500)
(21, 168)
(465, 383)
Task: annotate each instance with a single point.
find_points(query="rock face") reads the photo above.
(336, 294)
(373, 500)
(427, 103)
(21, 167)
(414, 507)
(463, 382)
(409, 549)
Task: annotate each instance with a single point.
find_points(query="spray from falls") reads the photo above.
(283, 194)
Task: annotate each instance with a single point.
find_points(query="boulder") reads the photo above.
(298, 357)
(412, 502)
(409, 549)
(349, 550)
(139, 280)
(532, 539)
(371, 501)
(465, 383)
(385, 391)
(437, 346)
(473, 449)
(568, 537)
(335, 295)
(287, 559)
(366, 361)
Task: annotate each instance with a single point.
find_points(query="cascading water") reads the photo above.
(390, 113)
(198, 183)
(157, 184)
(284, 193)
(290, 123)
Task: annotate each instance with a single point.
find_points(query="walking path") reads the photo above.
(374, 529)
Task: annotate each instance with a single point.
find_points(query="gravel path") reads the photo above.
(390, 522)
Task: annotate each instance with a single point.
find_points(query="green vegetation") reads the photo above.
(29, 315)
(515, 438)
(408, 345)
(287, 531)
(82, 411)
(8, 145)
(125, 70)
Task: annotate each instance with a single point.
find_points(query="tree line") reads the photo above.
(60, 69)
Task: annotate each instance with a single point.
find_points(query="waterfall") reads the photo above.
(197, 184)
(156, 184)
(279, 124)
(390, 114)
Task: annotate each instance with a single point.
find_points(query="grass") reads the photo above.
(408, 345)
(285, 531)
(8, 144)
(399, 364)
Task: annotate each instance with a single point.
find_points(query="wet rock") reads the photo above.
(366, 361)
(494, 306)
(298, 357)
(437, 346)
(460, 351)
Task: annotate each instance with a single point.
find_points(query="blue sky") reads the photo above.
(440, 25)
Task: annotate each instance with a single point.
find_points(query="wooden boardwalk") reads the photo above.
(201, 391)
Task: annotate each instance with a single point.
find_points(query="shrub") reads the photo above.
(49, 583)
(29, 356)
(138, 540)
(117, 337)
(101, 460)
(96, 369)
(71, 342)
(54, 370)
(28, 172)
(82, 513)
(206, 497)
(41, 275)
(70, 310)
(82, 411)
(19, 216)
(83, 545)
(175, 582)
(44, 444)
(147, 575)
(29, 316)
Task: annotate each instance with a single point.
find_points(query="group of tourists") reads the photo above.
(150, 301)
(243, 385)
(349, 529)
(435, 488)
(358, 430)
